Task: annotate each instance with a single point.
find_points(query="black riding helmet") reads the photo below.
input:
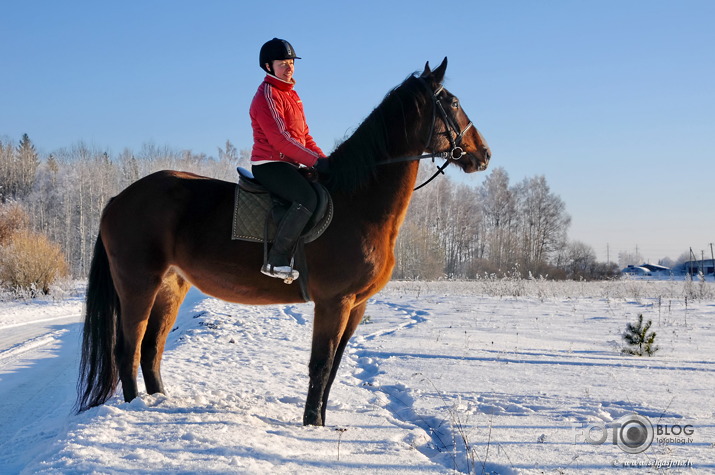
(275, 49)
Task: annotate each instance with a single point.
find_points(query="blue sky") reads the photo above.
(612, 101)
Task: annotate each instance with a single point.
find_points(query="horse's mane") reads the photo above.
(353, 163)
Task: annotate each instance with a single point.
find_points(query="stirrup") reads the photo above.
(287, 273)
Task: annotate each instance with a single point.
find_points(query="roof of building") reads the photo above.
(636, 270)
(656, 268)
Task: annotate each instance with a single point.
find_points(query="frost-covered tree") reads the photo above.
(18, 166)
(493, 228)
(498, 207)
(578, 259)
(629, 258)
(27, 162)
(543, 222)
(7, 152)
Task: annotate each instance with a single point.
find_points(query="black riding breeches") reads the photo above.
(285, 181)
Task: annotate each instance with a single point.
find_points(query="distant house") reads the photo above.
(657, 269)
(636, 271)
(703, 266)
(647, 270)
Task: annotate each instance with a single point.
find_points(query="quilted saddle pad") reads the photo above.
(252, 209)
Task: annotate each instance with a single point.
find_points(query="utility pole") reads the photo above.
(712, 256)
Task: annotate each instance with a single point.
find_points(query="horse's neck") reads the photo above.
(389, 194)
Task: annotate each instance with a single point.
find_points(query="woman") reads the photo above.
(281, 144)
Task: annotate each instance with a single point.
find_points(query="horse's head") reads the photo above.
(417, 116)
(453, 131)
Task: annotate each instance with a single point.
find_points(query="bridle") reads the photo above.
(454, 135)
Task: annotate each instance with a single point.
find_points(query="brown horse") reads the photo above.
(171, 230)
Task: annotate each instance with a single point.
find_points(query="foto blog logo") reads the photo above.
(633, 433)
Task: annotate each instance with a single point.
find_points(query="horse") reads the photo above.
(171, 230)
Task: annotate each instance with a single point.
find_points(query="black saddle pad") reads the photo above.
(253, 209)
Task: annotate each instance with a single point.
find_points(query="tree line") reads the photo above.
(451, 230)
(495, 229)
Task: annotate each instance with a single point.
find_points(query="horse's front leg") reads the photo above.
(354, 320)
(331, 318)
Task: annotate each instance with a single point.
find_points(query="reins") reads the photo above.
(450, 124)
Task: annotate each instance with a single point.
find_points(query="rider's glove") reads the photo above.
(322, 166)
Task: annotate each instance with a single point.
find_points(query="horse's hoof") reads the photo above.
(312, 418)
(313, 422)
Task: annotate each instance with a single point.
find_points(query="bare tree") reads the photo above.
(498, 205)
(543, 222)
(230, 153)
(578, 259)
(629, 258)
(129, 168)
(418, 254)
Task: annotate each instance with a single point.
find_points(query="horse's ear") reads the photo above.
(438, 74)
(427, 70)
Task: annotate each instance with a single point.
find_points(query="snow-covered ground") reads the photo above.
(496, 376)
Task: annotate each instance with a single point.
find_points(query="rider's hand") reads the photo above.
(322, 166)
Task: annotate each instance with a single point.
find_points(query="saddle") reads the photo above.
(257, 212)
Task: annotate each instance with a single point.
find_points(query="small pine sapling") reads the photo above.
(640, 342)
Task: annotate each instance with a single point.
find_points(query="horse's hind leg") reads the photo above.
(162, 318)
(135, 304)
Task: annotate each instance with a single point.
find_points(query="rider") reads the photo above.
(281, 145)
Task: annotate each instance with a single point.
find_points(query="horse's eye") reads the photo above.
(455, 104)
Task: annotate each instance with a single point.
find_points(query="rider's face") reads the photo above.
(283, 69)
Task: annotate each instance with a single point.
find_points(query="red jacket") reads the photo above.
(280, 132)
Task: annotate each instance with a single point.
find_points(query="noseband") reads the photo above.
(454, 135)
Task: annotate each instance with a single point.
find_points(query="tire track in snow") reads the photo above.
(20, 340)
(31, 344)
(42, 320)
(36, 398)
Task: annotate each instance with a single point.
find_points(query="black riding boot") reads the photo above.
(287, 235)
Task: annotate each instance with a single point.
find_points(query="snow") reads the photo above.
(497, 376)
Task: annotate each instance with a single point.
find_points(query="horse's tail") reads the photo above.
(98, 375)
